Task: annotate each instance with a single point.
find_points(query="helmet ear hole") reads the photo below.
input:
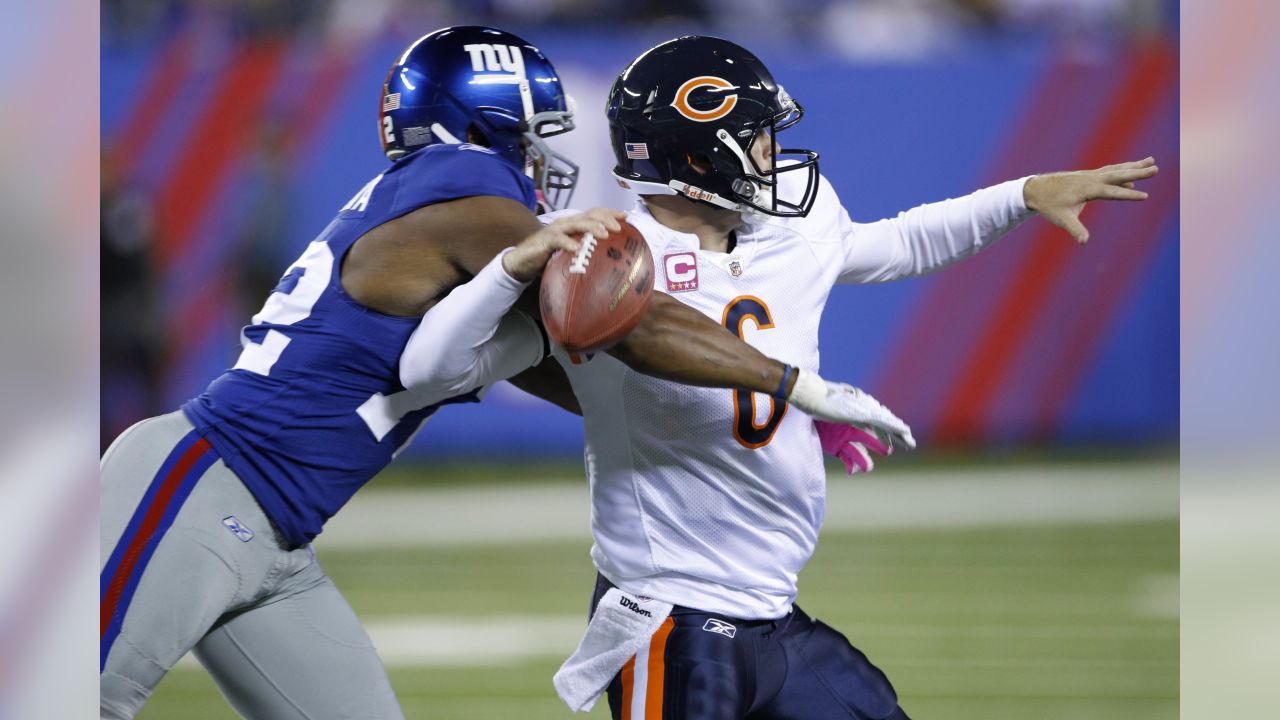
(700, 163)
(475, 137)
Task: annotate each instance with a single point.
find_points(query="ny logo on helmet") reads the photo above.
(715, 85)
(496, 58)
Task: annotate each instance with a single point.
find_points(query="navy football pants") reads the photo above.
(705, 666)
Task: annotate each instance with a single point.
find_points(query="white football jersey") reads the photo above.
(713, 498)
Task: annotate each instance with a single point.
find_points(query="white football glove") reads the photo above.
(847, 405)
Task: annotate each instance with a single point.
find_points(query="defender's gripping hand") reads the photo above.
(851, 445)
(847, 405)
(526, 260)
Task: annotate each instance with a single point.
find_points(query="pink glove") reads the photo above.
(850, 444)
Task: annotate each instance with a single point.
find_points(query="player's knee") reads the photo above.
(120, 698)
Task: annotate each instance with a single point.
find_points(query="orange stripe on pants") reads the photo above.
(657, 669)
(651, 675)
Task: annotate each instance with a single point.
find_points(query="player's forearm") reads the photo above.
(676, 342)
(929, 237)
(467, 340)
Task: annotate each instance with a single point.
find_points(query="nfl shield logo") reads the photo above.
(735, 268)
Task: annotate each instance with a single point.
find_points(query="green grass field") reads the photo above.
(1046, 621)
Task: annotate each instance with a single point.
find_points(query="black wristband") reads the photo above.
(787, 372)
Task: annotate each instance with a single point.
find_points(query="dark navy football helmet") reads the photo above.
(683, 117)
(477, 84)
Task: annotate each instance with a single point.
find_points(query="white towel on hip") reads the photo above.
(622, 623)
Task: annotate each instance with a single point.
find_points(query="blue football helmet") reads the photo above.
(481, 85)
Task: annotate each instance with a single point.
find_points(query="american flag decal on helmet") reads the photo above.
(637, 151)
(391, 102)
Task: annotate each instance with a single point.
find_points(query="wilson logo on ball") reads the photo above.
(631, 280)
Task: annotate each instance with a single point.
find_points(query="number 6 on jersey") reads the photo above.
(746, 430)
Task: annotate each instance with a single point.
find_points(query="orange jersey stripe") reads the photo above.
(657, 669)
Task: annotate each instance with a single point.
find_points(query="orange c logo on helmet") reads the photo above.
(681, 103)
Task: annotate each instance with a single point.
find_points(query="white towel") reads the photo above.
(621, 624)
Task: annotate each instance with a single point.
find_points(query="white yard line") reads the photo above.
(453, 641)
(472, 641)
(500, 514)
(503, 640)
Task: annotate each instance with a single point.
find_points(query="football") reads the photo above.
(592, 298)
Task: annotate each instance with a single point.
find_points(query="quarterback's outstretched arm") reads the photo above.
(930, 237)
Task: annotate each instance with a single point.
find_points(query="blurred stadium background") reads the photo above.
(1022, 564)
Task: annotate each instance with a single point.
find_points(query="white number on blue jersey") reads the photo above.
(361, 199)
(310, 274)
(383, 412)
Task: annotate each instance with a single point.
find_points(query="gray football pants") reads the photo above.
(189, 561)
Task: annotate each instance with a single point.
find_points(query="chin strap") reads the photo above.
(677, 187)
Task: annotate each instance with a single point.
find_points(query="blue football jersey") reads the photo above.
(313, 409)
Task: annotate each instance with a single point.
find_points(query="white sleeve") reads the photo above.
(929, 237)
(472, 338)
